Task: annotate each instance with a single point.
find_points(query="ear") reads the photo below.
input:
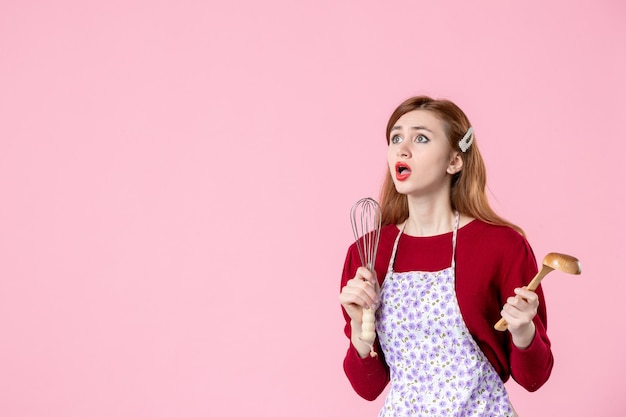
(456, 164)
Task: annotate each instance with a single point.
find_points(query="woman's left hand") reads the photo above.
(519, 312)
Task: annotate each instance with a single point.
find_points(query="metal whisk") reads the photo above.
(366, 217)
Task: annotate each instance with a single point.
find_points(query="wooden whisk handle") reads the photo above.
(368, 329)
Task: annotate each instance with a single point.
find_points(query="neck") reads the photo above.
(429, 218)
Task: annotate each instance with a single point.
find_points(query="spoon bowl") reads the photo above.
(563, 263)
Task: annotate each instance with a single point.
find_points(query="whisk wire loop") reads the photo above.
(366, 219)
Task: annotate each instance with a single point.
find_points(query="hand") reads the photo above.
(519, 312)
(360, 292)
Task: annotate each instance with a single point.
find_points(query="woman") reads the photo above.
(447, 269)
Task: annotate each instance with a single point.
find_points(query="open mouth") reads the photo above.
(402, 171)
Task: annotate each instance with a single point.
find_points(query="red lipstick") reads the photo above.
(402, 171)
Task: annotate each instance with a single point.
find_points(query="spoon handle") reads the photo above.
(502, 325)
(534, 283)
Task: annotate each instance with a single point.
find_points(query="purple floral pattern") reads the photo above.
(437, 369)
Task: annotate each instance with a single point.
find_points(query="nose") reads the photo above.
(402, 151)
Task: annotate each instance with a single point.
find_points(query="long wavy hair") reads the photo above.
(467, 187)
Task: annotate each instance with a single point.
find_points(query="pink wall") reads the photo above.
(176, 179)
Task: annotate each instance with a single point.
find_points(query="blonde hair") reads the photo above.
(467, 188)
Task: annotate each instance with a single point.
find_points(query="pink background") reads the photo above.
(176, 179)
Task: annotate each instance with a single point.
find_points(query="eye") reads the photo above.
(421, 139)
(395, 139)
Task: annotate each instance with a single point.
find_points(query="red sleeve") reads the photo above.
(530, 367)
(368, 376)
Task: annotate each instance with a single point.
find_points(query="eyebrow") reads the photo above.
(397, 127)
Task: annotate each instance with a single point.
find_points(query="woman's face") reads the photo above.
(419, 156)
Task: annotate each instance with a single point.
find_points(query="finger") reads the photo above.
(357, 282)
(525, 293)
(528, 297)
(512, 311)
(352, 303)
(370, 295)
(517, 302)
(510, 319)
(368, 278)
(523, 305)
(517, 317)
(513, 317)
(359, 292)
(366, 275)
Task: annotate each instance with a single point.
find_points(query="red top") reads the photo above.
(490, 262)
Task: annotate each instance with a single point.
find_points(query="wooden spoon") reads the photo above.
(551, 261)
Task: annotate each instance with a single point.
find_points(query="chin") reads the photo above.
(402, 189)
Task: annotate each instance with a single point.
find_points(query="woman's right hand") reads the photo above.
(360, 292)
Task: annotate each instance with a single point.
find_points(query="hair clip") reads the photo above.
(467, 140)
